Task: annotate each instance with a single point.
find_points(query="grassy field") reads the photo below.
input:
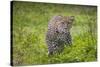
(30, 22)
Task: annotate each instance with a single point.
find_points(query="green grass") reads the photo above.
(30, 22)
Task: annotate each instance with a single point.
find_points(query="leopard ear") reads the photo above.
(72, 18)
(58, 17)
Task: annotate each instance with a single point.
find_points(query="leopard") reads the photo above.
(58, 33)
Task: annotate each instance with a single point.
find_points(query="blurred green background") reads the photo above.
(30, 22)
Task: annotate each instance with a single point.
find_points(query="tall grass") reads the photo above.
(30, 21)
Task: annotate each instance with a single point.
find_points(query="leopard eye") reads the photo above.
(70, 21)
(62, 22)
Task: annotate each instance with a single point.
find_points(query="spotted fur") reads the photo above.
(58, 33)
